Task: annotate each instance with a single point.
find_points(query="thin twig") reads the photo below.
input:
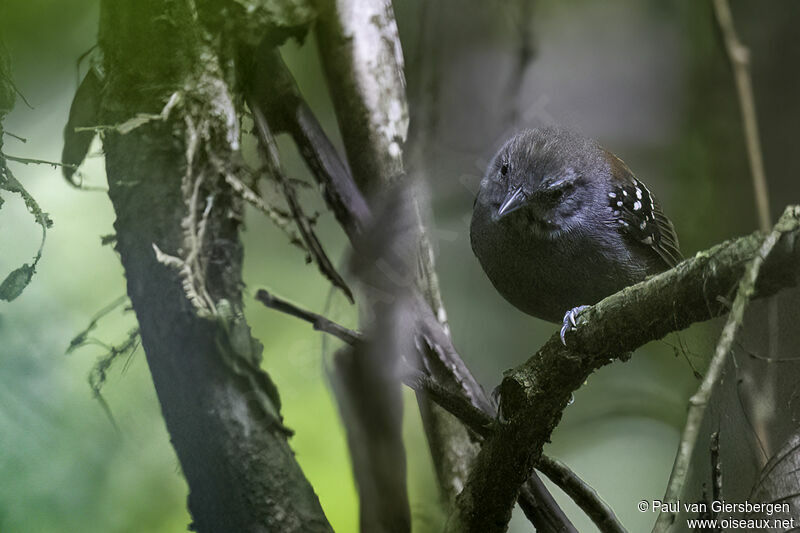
(533, 497)
(739, 56)
(81, 338)
(716, 468)
(29, 161)
(319, 322)
(276, 93)
(14, 135)
(765, 358)
(480, 422)
(99, 372)
(10, 81)
(303, 226)
(582, 494)
(755, 423)
(458, 406)
(281, 220)
(698, 402)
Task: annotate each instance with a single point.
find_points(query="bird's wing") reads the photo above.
(639, 214)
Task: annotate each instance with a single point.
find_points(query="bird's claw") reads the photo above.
(570, 322)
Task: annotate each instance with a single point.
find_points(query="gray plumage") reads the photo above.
(560, 222)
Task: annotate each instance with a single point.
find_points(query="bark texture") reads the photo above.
(172, 135)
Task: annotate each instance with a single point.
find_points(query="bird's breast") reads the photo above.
(545, 277)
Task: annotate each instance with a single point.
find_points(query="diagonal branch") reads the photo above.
(274, 90)
(315, 248)
(698, 402)
(739, 57)
(581, 493)
(319, 322)
(535, 394)
(479, 420)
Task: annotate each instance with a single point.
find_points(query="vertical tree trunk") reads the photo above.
(363, 62)
(177, 235)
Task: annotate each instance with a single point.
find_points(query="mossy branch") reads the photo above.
(534, 395)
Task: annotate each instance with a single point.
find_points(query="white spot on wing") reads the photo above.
(637, 205)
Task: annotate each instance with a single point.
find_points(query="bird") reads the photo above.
(559, 223)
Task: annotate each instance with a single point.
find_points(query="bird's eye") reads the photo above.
(556, 194)
(555, 190)
(504, 170)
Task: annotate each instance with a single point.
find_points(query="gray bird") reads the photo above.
(560, 223)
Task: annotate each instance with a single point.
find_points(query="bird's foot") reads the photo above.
(571, 322)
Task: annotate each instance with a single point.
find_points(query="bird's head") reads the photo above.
(542, 178)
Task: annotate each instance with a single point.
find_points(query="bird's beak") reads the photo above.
(513, 201)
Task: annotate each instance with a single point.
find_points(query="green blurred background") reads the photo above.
(648, 79)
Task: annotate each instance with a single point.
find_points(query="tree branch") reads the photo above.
(274, 90)
(534, 395)
(480, 421)
(319, 322)
(739, 57)
(581, 493)
(270, 154)
(698, 402)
